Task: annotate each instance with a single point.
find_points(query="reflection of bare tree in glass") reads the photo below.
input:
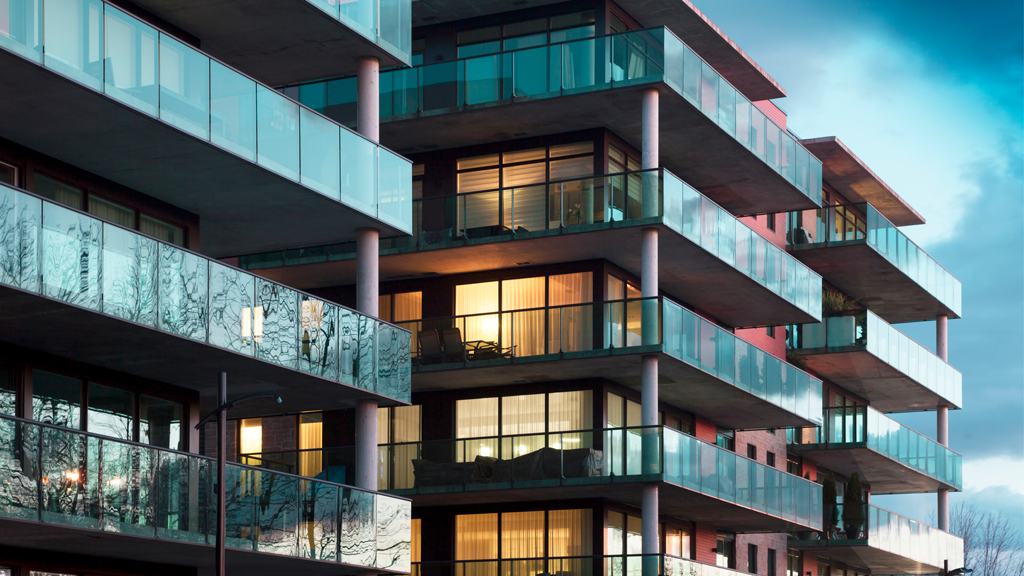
(394, 525)
(71, 263)
(318, 338)
(277, 512)
(129, 274)
(319, 524)
(280, 319)
(231, 298)
(19, 497)
(19, 233)
(358, 533)
(183, 293)
(366, 361)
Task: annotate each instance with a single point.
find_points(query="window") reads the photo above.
(793, 563)
(770, 331)
(405, 310)
(793, 464)
(250, 433)
(677, 542)
(623, 536)
(162, 230)
(59, 192)
(416, 536)
(725, 550)
(524, 174)
(624, 318)
(751, 451)
(771, 563)
(525, 34)
(9, 174)
(626, 191)
(770, 459)
(111, 211)
(110, 411)
(161, 423)
(752, 558)
(524, 535)
(726, 439)
(311, 443)
(532, 330)
(402, 427)
(770, 221)
(8, 391)
(555, 420)
(56, 399)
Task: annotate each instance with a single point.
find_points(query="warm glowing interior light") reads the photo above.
(246, 324)
(485, 450)
(570, 440)
(522, 448)
(115, 481)
(557, 445)
(72, 475)
(489, 328)
(257, 324)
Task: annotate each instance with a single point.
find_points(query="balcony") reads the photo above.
(892, 458)
(704, 369)
(115, 96)
(710, 134)
(632, 564)
(282, 41)
(860, 252)
(885, 543)
(861, 352)
(89, 290)
(706, 256)
(700, 481)
(73, 492)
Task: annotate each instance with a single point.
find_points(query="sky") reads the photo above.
(929, 94)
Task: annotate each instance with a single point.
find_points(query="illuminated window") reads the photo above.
(251, 436)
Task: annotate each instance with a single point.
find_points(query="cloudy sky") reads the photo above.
(929, 94)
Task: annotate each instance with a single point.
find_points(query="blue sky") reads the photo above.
(929, 94)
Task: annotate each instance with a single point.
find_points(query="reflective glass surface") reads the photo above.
(88, 262)
(597, 63)
(73, 479)
(111, 51)
(864, 330)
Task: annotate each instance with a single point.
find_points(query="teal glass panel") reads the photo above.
(321, 154)
(182, 297)
(526, 81)
(773, 143)
(743, 107)
(672, 195)
(673, 58)
(801, 164)
(727, 238)
(758, 137)
(394, 352)
(366, 353)
(64, 464)
(358, 172)
(20, 222)
(691, 76)
(277, 132)
(278, 315)
(317, 538)
(278, 513)
(361, 16)
(331, 7)
(319, 337)
(232, 111)
(131, 61)
(184, 87)
(393, 520)
(348, 346)
(71, 260)
(788, 161)
(484, 80)
(240, 501)
(21, 28)
(232, 321)
(358, 536)
(727, 108)
(395, 29)
(577, 64)
(129, 275)
(394, 199)
(691, 214)
(709, 90)
(73, 32)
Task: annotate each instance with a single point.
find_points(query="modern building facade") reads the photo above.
(545, 288)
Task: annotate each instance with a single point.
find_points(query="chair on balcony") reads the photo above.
(430, 351)
(454, 348)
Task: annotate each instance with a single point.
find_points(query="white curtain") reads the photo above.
(522, 415)
(476, 418)
(571, 412)
(570, 534)
(522, 535)
(524, 330)
(476, 299)
(571, 327)
(409, 307)
(112, 212)
(476, 538)
(407, 429)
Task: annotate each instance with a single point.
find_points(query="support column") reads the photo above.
(651, 335)
(368, 98)
(942, 418)
(366, 445)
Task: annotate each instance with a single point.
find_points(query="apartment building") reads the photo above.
(611, 317)
(142, 143)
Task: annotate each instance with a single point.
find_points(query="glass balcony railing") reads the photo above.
(863, 330)
(850, 224)
(626, 59)
(580, 329)
(617, 565)
(573, 458)
(69, 256)
(73, 479)
(112, 52)
(582, 204)
(890, 532)
(869, 427)
(387, 23)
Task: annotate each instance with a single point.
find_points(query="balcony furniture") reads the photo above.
(430, 347)
(543, 464)
(454, 349)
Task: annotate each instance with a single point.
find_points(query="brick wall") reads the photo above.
(763, 542)
(210, 440)
(705, 540)
(765, 442)
(809, 564)
(772, 111)
(705, 429)
(280, 433)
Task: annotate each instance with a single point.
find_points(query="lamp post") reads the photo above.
(222, 447)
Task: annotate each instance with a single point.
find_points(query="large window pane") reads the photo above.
(56, 399)
(161, 422)
(476, 537)
(111, 411)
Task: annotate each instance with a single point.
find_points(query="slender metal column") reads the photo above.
(368, 98)
(651, 334)
(222, 449)
(942, 418)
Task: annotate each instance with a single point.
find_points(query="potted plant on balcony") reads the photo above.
(828, 492)
(853, 508)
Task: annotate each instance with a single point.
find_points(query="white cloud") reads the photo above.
(995, 471)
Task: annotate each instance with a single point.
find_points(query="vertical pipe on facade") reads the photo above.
(651, 332)
(367, 271)
(942, 417)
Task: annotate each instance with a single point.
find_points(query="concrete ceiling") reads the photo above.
(275, 41)
(868, 277)
(852, 178)
(859, 553)
(39, 323)
(692, 146)
(244, 207)
(680, 16)
(885, 475)
(687, 272)
(883, 386)
(679, 383)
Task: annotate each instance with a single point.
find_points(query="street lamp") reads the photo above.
(957, 572)
(222, 447)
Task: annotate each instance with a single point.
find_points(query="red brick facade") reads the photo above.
(772, 111)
